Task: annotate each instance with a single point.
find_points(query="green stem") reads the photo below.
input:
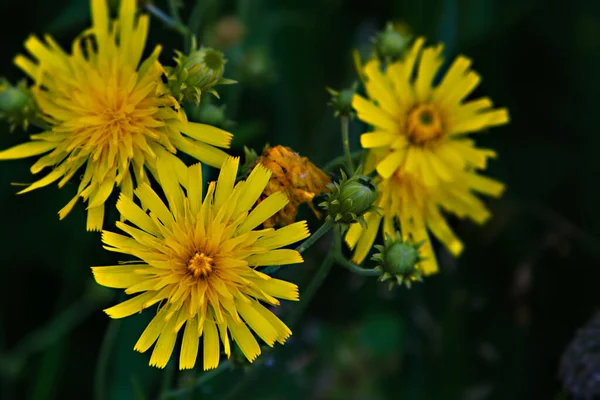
(339, 160)
(194, 22)
(344, 262)
(169, 21)
(202, 380)
(309, 292)
(312, 239)
(345, 122)
(108, 342)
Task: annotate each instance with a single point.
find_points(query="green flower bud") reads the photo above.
(341, 101)
(399, 261)
(350, 199)
(391, 43)
(196, 73)
(250, 157)
(17, 105)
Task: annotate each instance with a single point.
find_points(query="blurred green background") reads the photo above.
(491, 325)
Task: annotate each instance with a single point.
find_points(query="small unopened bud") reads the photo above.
(341, 101)
(399, 261)
(17, 105)
(350, 199)
(391, 43)
(196, 73)
(250, 157)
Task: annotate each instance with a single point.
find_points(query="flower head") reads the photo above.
(399, 260)
(198, 260)
(296, 176)
(425, 162)
(108, 112)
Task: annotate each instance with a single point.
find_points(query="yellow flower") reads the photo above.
(294, 175)
(107, 112)
(198, 260)
(420, 149)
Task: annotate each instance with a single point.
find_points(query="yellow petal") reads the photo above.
(371, 114)
(195, 188)
(376, 139)
(119, 276)
(28, 149)
(367, 238)
(152, 331)
(211, 345)
(279, 288)
(253, 188)
(388, 166)
(266, 209)
(130, 211)
(189, 345)
(257, 322)
(129, 307)
(282, 237)
(275, 257)
(247, 343)
(207, 134)
(173, 192)
(165, 345)
(226, 181)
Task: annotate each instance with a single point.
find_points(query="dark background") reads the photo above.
(491, 325)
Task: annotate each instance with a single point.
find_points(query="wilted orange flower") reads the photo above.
(296, 176)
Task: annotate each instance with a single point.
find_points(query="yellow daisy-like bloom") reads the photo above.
(420, 151)
(198, 260)
(107, 111)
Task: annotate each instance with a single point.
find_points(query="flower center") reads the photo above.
(200, 265)
(424, 124)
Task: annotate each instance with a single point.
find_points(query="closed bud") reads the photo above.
(196, 73)
(17, 105)
(399, 261)
(350, 199)
(391, 43)
(341, 101)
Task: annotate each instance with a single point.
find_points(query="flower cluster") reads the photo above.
(204, 256)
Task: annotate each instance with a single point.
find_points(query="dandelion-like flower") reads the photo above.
(420, 149)
(198, 260)
(297, 177)
(107, 112)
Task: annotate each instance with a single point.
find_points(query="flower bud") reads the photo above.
(341, 101)
(196, 73)
(350, 199)
(17, 105)
(399, 260)
(294, 175)
(391, 43)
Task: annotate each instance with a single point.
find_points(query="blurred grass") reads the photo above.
(492, 325)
